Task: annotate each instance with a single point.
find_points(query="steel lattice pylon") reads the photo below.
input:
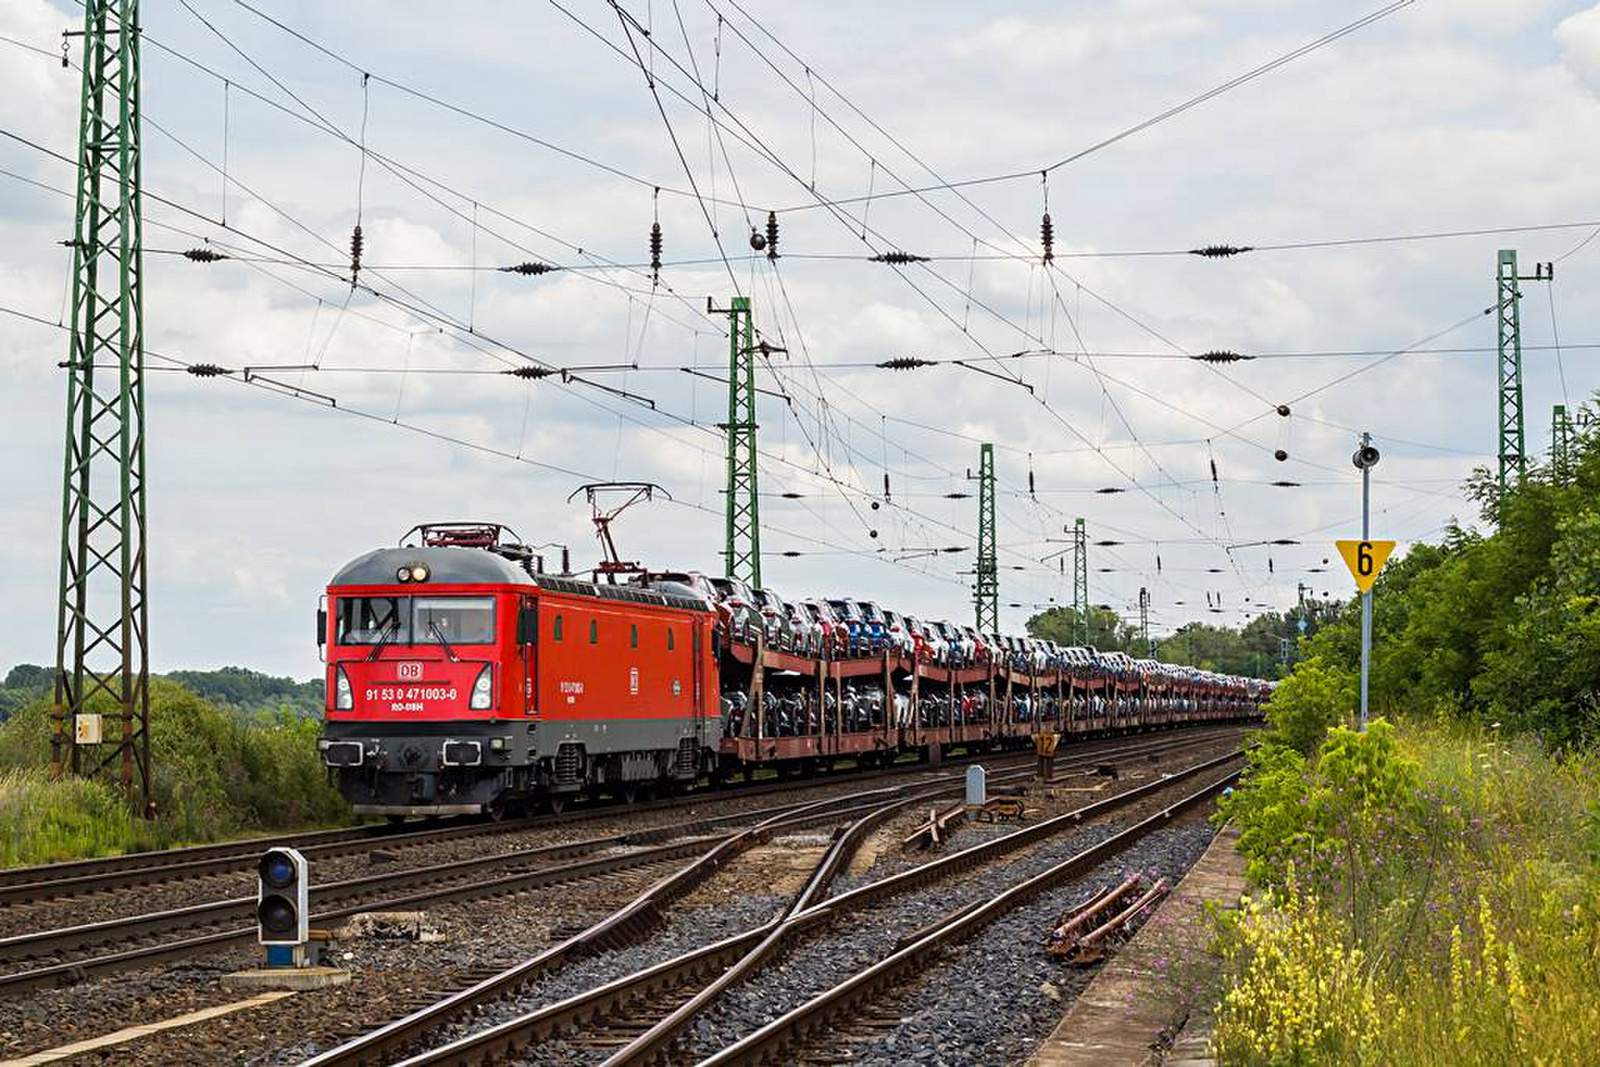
(1513, 454)
(1560, 442)
(987, 598)
(743, 551)
(1080, 581)
(102, 654)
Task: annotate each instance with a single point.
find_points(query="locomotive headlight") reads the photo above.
(419, 573)
(482, 689)
(344, 698)
(403, 574)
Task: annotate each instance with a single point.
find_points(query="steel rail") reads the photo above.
(69, 972)
(50, 881)
(713, 960)
(626, 924)
(39, 882)
(407, 1030)
(44, 943)
(773, 1040)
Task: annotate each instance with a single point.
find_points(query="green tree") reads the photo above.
(1108, 631)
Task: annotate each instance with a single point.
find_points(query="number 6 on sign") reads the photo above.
(1365, 559)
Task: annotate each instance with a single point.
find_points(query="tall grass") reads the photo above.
(215, 773)
(1457, 923)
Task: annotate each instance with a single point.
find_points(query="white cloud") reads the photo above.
(1579, 38)
(1423, 122)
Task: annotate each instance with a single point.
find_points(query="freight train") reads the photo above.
(462, 679)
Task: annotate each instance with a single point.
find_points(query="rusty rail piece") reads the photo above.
(1064, 938)
(936, 829)
(772, 1041)
(1093, 946)
(507, 1038)
(621, 927)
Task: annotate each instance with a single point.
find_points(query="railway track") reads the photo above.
(812, 1032)
(141, 940)
(43, 883)
(77, 877)
(644, 1012)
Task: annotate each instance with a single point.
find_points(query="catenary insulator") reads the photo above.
(208, 370)
(356, 243)
(897, 258)
(529, 268)
(655, 251)
(1220, 251)
(1047, 237)
(772, 235)
(1220, 356)
(905, 363)
(203, 255)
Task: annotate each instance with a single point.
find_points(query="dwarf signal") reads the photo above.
(283, 906)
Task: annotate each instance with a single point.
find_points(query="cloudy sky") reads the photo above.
(494, 137)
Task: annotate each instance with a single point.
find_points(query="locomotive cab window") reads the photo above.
(370, 620)
(463, 620)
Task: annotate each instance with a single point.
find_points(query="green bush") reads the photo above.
(215, 773)
(1431, 895)
(1304, 705)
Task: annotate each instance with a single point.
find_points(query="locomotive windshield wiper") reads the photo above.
(433, 627)
(387, 634)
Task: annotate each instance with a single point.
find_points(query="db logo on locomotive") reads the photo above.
(408, 672)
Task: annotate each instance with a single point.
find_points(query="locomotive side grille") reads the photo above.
(685, 766)
(569, 764)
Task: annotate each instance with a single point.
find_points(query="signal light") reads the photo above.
(283, 906)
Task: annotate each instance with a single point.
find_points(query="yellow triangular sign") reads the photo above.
(1365, 559)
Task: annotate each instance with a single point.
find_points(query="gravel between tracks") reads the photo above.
(983, 1001)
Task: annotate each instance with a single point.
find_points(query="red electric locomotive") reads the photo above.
(461, 679)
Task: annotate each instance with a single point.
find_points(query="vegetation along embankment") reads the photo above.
(232, 751)
(1428, 892)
